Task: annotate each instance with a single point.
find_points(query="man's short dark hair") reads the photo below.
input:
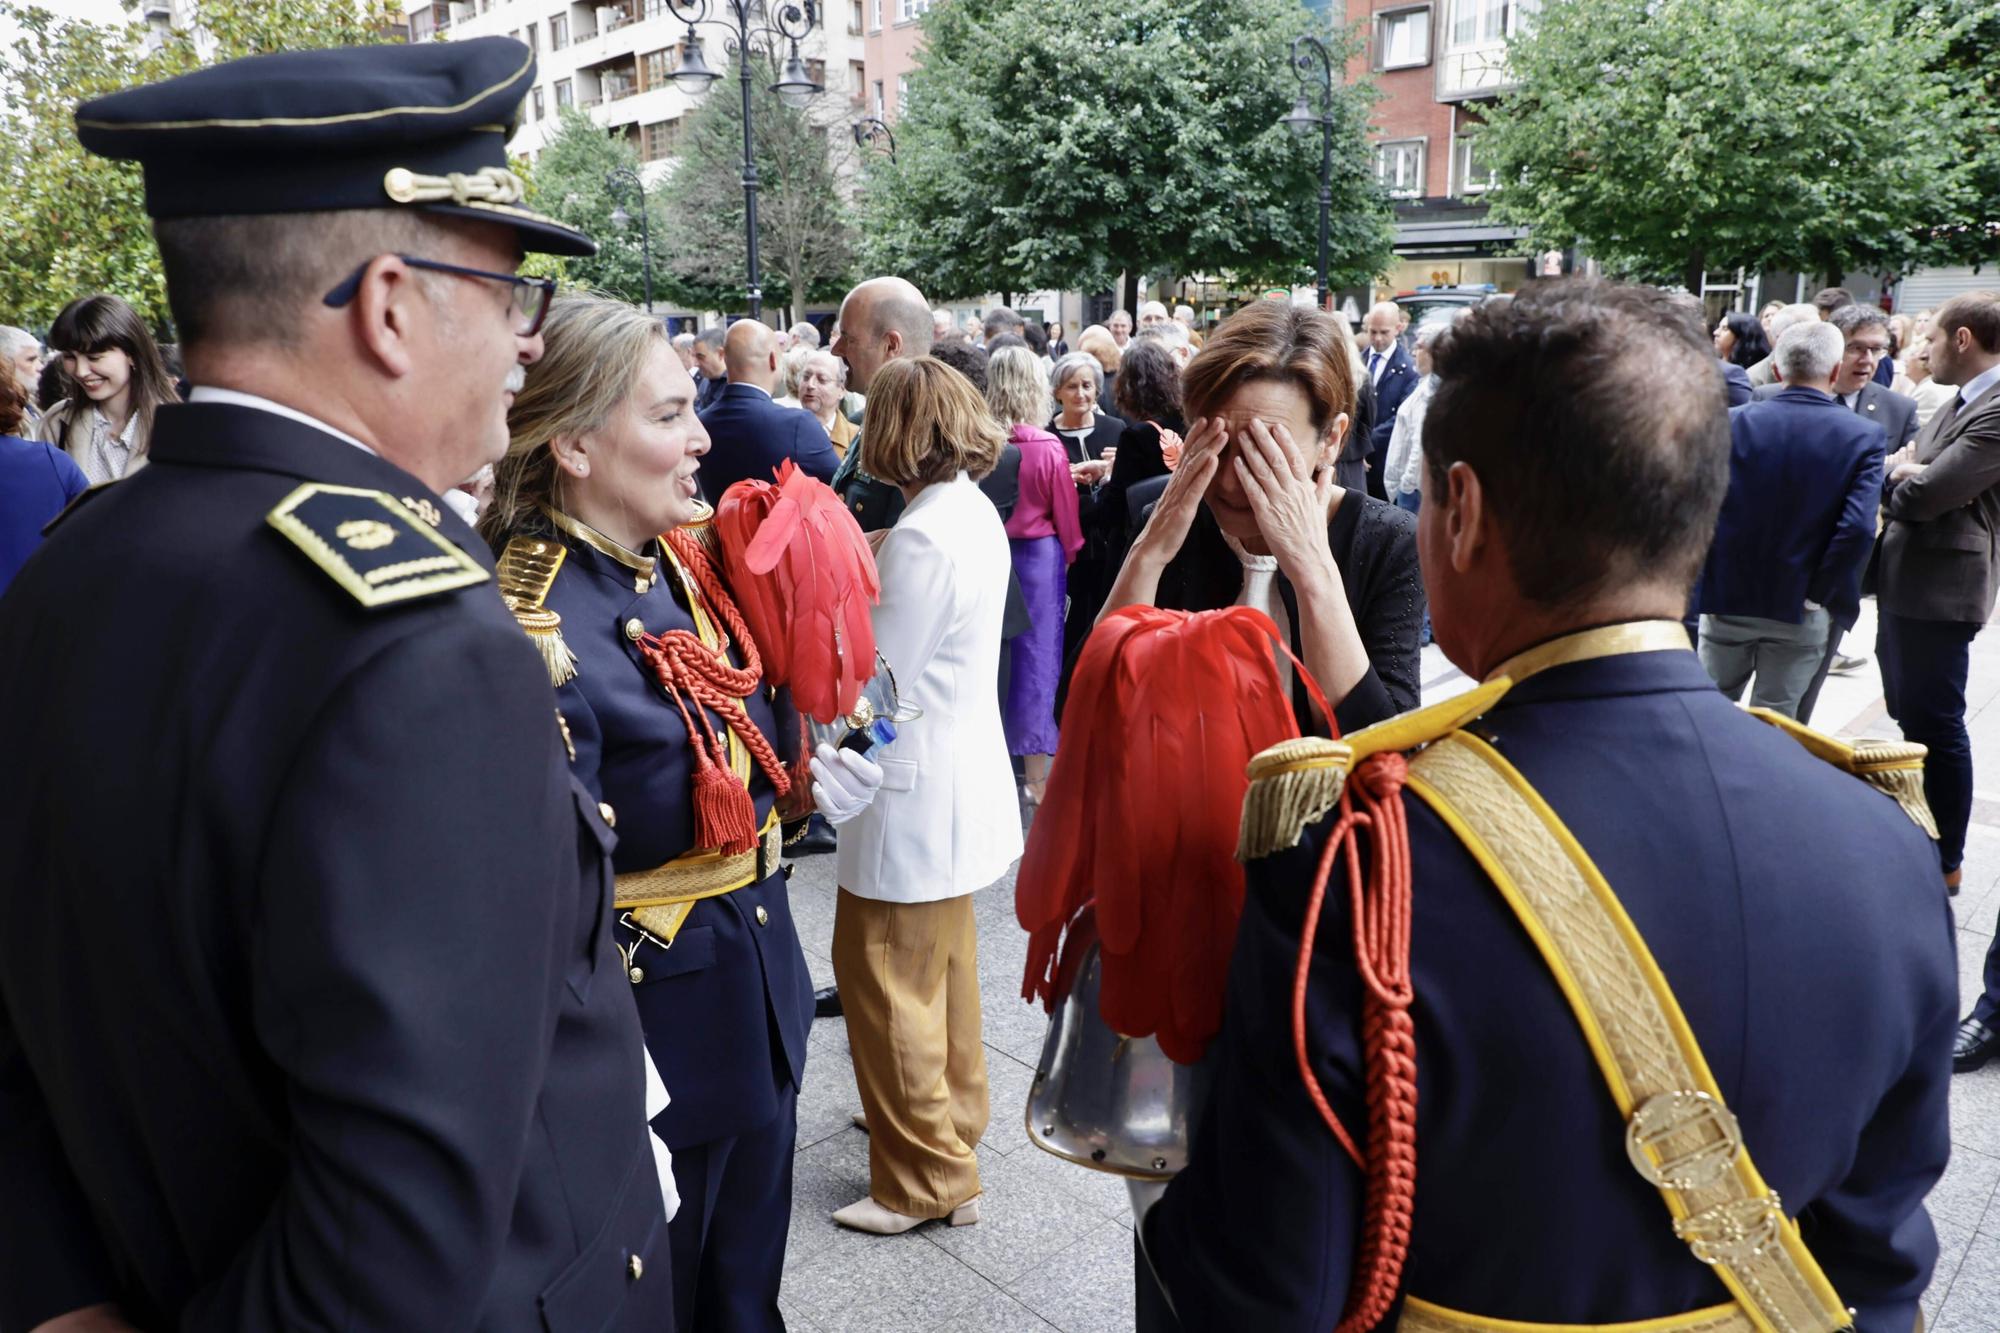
(1850, 318)
(1592, 414)
(1038, 339)
(1977, 311)
(1001, 319)
(966, 359)
(711, 338)
(1829, 299)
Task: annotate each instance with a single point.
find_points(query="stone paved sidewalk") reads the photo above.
(1054, 1247)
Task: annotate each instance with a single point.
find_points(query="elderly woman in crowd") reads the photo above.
(945, 822)
(1045, 533)
(822, 381)
(1252, 515)
(1090, 443)
(659, 686)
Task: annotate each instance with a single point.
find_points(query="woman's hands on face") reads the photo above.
(1174, 514)
(1288, 497)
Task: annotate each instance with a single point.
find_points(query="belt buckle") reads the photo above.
(1734, 1232)
(1671, 1115)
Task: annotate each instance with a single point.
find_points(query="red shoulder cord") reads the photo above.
(724, 816)
(1389, 1047)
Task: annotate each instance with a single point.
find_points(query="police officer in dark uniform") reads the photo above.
(676, 730)
(310, 1011)
(1647, 1011)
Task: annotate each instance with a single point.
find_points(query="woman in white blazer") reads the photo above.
(945, 822)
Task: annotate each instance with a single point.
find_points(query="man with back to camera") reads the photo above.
(1783, 577)
(1580, 1060)
(309, 1012)
(750, 436)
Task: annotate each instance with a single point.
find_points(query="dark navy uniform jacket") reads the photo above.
(750, 437)
(1795, 911)
(728, 1007)
(311, 1014)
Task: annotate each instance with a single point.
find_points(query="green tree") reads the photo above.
(1969, 61)
(570, 182)
(1051, 146)
(72, 223)
(805, 230)
(1672, 137)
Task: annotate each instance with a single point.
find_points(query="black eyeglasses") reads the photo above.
(530, 299)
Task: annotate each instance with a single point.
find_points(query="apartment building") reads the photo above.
(1436, 64)
(615, 59)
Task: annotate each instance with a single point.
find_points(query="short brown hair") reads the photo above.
(1270, 340)
(1592, 484)
(926, 423)
(1978, 311)
(13, 402)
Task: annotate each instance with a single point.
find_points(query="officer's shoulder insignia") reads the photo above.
(1297, 781)
(82, 497)
(371, 545)
(1895, 768)
(702, 528)
(528, 568)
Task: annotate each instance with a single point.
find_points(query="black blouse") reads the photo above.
(1375, 545)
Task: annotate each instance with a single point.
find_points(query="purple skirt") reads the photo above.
(1030, 711)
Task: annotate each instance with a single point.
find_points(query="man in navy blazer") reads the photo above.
(1394, 376)
(1805, 477)
(749, 435)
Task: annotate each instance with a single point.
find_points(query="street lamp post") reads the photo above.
(1307, 51)
(788, 22)
(869, 129)
(626, 176)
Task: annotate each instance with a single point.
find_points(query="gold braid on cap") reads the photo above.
(488, 185)
(527, 571)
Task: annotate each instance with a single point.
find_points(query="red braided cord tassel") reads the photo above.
(1389, 1050)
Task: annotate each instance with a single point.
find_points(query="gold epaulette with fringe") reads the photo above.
(1895, 768)
(527, 571)
(1298, 781)
(702, 528)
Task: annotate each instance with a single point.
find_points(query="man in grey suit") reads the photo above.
(1938, 576)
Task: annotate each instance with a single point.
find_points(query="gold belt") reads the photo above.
(1423, 1317)
(659, 900)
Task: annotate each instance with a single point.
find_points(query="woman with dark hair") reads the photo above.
(119, 378)
(1740, 339)
(1148, 396)
(1253, 517)
(36, 481)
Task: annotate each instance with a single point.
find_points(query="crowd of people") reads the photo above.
(394, 974)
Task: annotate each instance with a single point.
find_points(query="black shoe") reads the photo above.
(1976, 1044)
(826, 1003)
(817, 839)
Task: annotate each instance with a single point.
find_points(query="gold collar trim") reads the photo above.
(644, 565)
(1636, 636)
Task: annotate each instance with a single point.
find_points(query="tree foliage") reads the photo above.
(1969, 61)
(1674, 136)
(571, 182)
(805, 230)
(72, 223)
(1051, 146)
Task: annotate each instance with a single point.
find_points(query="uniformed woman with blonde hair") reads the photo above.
(604, 559)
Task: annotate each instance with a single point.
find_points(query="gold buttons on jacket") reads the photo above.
(636, 1267)
(763, 917)
(638, 974)
(610, 815)
(634, 628)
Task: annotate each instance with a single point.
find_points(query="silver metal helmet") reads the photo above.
(1105, 1101)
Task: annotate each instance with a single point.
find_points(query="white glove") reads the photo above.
(844, 783)
(663, 1160)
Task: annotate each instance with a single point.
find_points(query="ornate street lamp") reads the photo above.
(743, 21)
(619, 178)
(1309, 52)
(873, 129)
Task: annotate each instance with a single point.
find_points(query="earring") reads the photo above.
(582, 469)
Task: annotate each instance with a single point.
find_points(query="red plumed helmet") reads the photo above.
(1166, 710)
(805, 579)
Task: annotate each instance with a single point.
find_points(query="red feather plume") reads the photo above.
(1165, 711)
(805, 579)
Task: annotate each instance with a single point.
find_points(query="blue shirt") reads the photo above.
(36, 481)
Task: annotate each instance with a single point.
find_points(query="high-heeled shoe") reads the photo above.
(870, 1216)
